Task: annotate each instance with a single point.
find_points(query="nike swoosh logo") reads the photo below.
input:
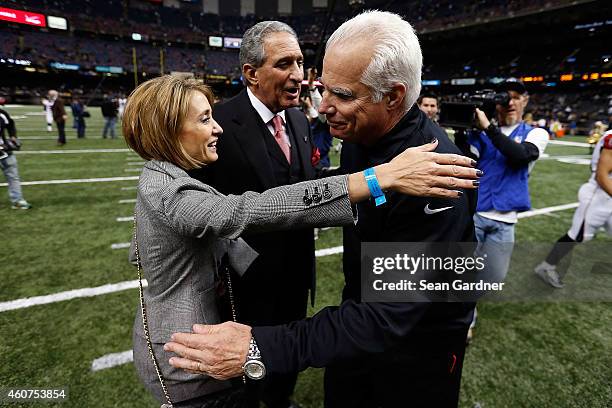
(430, 211)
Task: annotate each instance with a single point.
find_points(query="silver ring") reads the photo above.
(200, 366)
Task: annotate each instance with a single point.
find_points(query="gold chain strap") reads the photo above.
(231, 296)
(145, 324)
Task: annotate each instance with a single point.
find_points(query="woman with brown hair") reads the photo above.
(187, 233)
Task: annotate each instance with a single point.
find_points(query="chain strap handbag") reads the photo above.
(233, 398)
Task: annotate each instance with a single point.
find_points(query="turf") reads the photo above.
(529, 354)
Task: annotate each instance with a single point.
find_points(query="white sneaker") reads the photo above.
(21, 205)
(548, 273)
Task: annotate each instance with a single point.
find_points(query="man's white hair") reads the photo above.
(397, 56)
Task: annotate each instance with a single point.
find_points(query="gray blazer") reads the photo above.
(184, 227)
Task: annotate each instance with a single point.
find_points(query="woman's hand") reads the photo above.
(418, 171)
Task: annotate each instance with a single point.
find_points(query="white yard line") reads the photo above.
(567, 143)
(72, 151)
(547, 210)
(127, 201)
(329, 251)
(39, 137)
(584, 162)
(572, 156)
(125, 219)
(112, 360)
(133, 170)
(129, 188)
(72, 181)
(135, 163)
(68, 295)
(120, 245)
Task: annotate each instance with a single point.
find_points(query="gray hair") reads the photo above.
(252, 48)
(397, 56)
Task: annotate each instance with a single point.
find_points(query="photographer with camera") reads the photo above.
(506, 153)
(8, 161)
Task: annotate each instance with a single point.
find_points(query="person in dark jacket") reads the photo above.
(59, 116)
(252, 157)
(377, 354)
(79, 114)
(110, 110)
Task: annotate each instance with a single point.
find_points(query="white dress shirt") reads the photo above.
(267, 115)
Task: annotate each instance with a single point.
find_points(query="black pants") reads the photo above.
(281, 307)
(61, 134)
(421, 374)
(80, 127)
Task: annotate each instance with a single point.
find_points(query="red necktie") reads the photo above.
(281, 137)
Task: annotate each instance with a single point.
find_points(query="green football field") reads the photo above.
(528, 354)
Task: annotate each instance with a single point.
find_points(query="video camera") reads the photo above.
(461, 112)
(8, 145)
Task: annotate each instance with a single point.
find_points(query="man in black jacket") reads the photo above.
(376, 354)
(109, 110)
(266, 143)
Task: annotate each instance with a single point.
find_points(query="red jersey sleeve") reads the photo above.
(607, 143)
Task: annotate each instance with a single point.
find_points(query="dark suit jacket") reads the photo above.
(357, 329)
(58, 110)
(246, 157)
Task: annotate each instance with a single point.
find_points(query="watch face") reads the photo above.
(254, 369)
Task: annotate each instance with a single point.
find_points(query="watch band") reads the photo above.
(253, 367)
(254, 353)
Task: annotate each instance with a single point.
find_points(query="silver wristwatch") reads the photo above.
(254, 368)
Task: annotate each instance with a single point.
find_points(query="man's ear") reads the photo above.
(395, 97)
(249, 72)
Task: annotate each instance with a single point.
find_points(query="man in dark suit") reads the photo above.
(377, 354)
(266, 143)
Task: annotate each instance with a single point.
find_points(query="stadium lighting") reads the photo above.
(566, 77)
(215, 41)
(58, 23)
(136, 37)
(532, 79)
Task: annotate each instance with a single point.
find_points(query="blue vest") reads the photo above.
(502, 188)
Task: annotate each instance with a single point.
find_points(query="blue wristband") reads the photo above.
(375, 190)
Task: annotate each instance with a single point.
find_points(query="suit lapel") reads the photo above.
(302, 140)
(250, 140)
